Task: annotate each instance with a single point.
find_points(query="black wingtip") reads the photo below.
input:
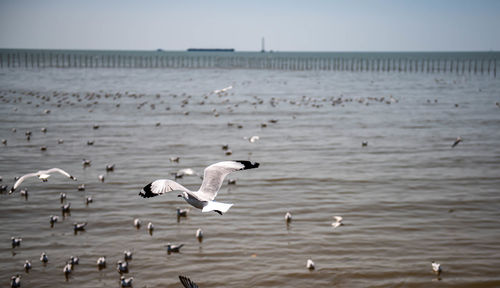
(146, 191)
(248, 164)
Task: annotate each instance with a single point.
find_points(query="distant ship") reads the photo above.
(210, 50)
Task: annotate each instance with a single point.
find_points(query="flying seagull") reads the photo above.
(42, 174)
(187, 283)
(212, 181)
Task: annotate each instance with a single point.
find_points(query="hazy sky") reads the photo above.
(313, 25)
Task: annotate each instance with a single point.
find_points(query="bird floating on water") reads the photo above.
(137, 223)
(182, 212)
(101, 262)
(126, 282)
(81, 187)
(100, 177)
(173, 248)
(27, 266)
(122, 267)
(79, 226)
(186, 282)
(110, 167)
(127, 255)
(88, 200)
(42, 174)
(53, 220)
(310, 264)
(212, 181)
(66, 208)
(436, 267)
(67, 269)
(151, 228)
(338, 221)
(16, 242)
(288, 217)
(44, 258)
(62, 196)
(199, 235)
(74, 260)
(15, 281)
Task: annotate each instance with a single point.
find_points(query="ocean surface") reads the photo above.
(407, 198)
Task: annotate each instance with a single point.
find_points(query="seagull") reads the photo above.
(86, 162)
(127, 255)
(151, 227)
(288, 217)
(42, 174)
(186, 282)
(81, 187)
(338, 221)
(110, 167)
(15, 281)
(436, 267)
(185, 172)
(53, 220)
(364, 143)
(137, 223)
(199, 235)
(252, 139)
(24, 193)
(65, 208)
(44, 258)
(212, 181)
(100, 177)
(126, 282)
(182, 212)
(173, 248)
(310, 264)
(79, 226)
(27, 266)
(88, 200)
(101, 262)
(458, 140)
(67, 269)
(16, 242)
(74, 260)
(122, 267)
(219, 91)
(62, 196)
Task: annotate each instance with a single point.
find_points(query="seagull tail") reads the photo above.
(218, 207)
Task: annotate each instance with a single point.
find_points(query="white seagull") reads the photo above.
(101, 262)
(126, 282)
(42, 174)
(199, 235)
(218, 91)
(288, 217)
(436, 267)
(338, 221)
(310, 264)
(203, 198)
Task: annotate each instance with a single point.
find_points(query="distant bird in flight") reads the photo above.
(42, 174)
(212, 181)
(458, 140)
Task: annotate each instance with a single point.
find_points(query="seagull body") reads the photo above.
(338, 221)
(89, 200)
(186, 282)
(86, 162)
(203, 198)
(185, 172)
(15, 281)
(110, 167)
(65, 208)
(199, 235)
(79, 226)
(16, 242)
(44, 258)
(127, 255)
(126, 282)
(100, 177)
(122, 267)
(182, 212)
(67, 269)
(42, 174)
(219, 91)
(24, 193)
(151, 227)
(288, 217)
(101, 262)
(62, 196)
(74, 260)
(27, 266)
(137, 223)
(173, 248)
(436, 267)
(53, 220)
(81, 187)
(310, 264)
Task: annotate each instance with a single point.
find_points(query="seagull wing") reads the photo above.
(187, 283)
(59, 171)
(161, 186)
(214, 176)
(20, 180)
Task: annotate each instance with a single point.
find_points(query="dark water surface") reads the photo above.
(407, 198)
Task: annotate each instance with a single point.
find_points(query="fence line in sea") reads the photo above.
(30, 59)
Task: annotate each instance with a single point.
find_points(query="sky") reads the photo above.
(313, 25)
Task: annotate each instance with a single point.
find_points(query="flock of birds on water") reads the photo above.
(203, 199)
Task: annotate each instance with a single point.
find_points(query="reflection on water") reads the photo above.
(406, 197)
